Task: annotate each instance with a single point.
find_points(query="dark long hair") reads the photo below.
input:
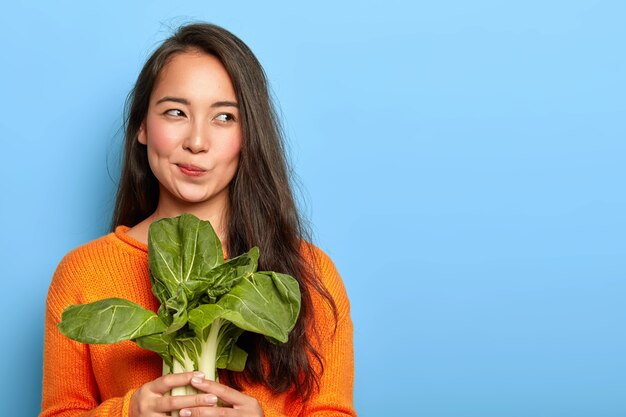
(263, 212)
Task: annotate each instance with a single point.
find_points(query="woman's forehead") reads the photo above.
(195, 76)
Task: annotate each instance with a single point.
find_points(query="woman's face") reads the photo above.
(193, 133)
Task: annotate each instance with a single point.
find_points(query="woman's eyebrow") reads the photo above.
(174, 99)
(224, 103)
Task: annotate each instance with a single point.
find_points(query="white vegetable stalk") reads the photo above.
(207, 362)
(183, 367)
(178, 368)
(208, 359)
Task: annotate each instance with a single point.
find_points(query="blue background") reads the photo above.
(462, 162)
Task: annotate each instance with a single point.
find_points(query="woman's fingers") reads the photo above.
(165, 383)
(242, 404)
(152, 397)
(172, 403)
(211, 412)
(224, 393)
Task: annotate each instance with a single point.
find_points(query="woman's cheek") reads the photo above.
(233, 147)
(164, 136)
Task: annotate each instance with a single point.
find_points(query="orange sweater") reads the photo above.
(98, 380)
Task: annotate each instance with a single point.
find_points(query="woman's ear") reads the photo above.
(141, 135)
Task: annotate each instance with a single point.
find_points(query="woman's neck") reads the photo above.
(217, 218)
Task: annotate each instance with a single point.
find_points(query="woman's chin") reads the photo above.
(188, 200)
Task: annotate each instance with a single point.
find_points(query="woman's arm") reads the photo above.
(69, 386)
(335, 395)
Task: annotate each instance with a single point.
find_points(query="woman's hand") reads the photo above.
(153, 399)
(239, 404)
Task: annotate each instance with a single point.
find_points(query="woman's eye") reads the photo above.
(225, 117)
(175, 113)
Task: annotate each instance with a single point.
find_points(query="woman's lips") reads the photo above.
(191, 170)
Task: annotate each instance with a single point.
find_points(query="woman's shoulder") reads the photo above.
(85, 253)
(320, 260)
(97, 260)
(116, 243)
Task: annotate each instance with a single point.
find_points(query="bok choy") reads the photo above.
(206, 303)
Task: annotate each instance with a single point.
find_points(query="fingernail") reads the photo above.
(210, 399)
(184, 413)
(198, 377)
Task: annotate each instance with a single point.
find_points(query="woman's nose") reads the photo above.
(198, 138)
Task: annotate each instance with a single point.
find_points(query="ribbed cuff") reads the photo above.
(126, 403)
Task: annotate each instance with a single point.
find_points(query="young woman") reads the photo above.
(202, 138)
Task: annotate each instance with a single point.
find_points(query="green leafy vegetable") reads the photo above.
(109, 321)
(206, 302)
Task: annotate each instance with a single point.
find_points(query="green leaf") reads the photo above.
(159, 344)
(231, 272)
(265, 303)
(227, 352)
(181, 249)
(176, 308)
(109, 321)
(207, 289)
(185, 349)
(160, 290)
(202, 317)
(236, 359)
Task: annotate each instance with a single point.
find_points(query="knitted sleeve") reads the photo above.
(334, 397)
(69, 385)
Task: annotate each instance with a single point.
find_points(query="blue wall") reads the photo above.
(462, 162)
